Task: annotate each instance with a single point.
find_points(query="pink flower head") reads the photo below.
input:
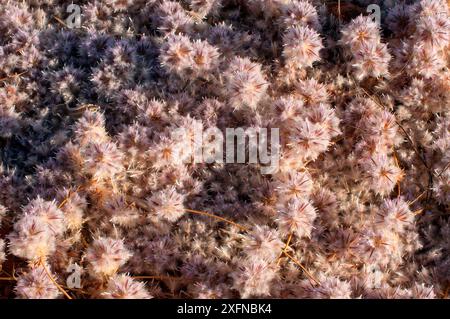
(167, 204)
(105, 256)
(301, 13)
(36, 284)
(245, 83)
(395, 214)
(296, 216)
(302, 46)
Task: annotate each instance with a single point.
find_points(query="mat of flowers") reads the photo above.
(102, 197)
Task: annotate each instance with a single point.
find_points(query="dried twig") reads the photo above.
(13, 76)
(302, 267)
(417, 198)
(157, 277)
(144, 205)
(339, 11)
(216, 217)
(444, 169)
(49, 275)
(398, 166)
(60, 21)
(69, 194)
(285, 247)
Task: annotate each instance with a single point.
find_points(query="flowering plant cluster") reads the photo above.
(93, 170)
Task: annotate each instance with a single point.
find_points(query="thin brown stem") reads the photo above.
(49, 275)
(310, 276)
(339, 11)
(142, 204)
(417, 198)
(60, 21)
(444, 169)
(156, 277)
(285, 248)
(13, 76)
(193, 211)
